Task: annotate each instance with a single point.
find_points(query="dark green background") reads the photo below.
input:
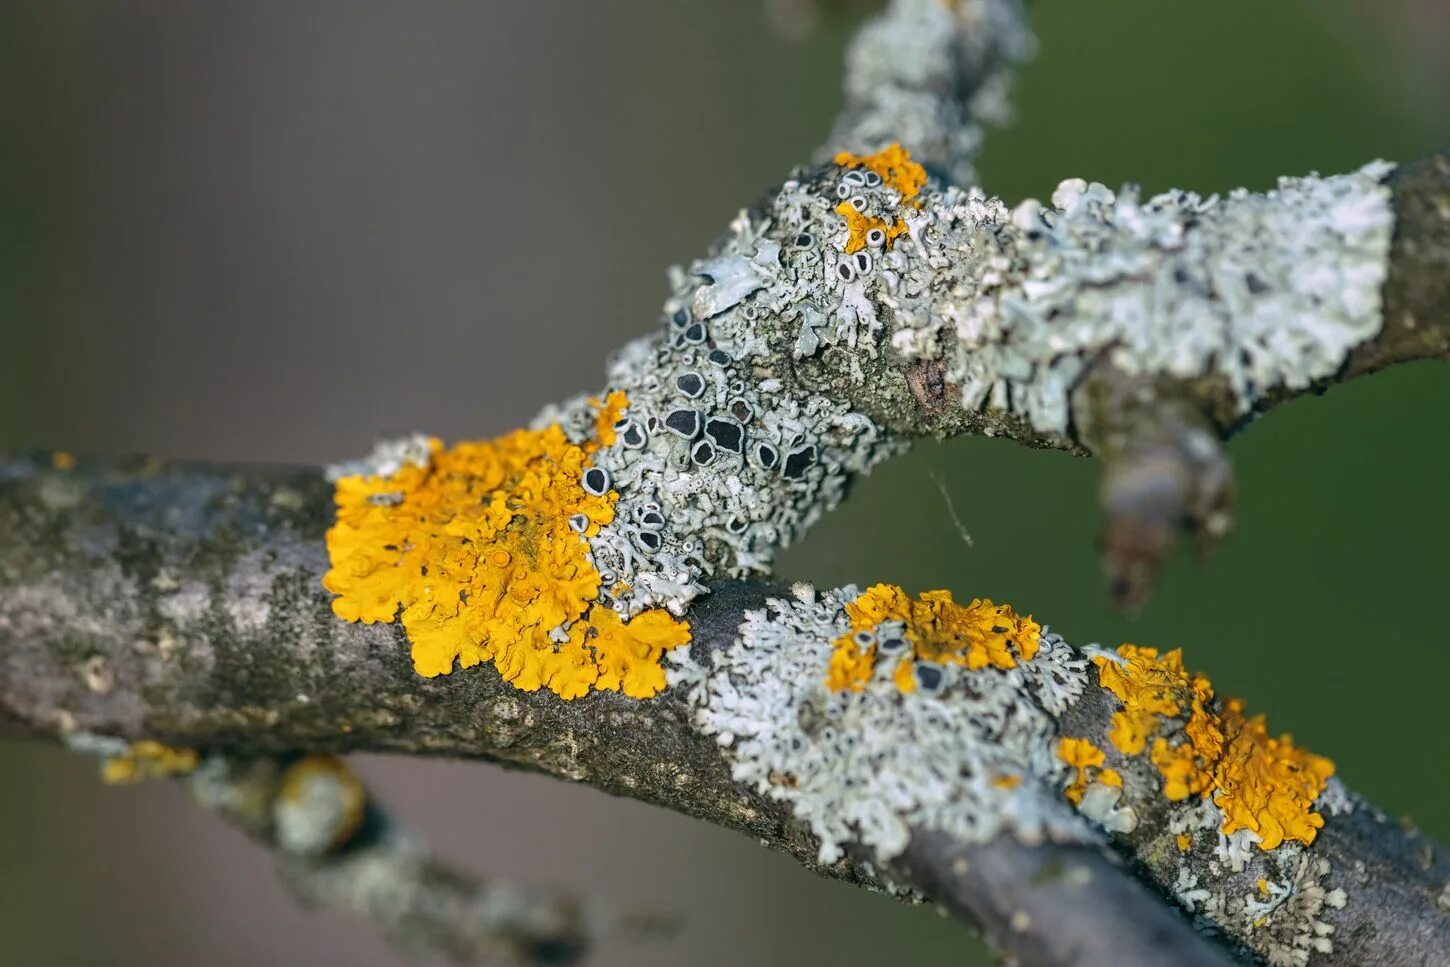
(274, 234)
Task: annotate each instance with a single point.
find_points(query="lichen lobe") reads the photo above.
(480, 550)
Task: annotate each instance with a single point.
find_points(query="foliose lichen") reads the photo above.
(971, 755)
(1266, 291)
(1263, 291)
(920, 635)
(726, 455)
(931, 74)
(1263, 787)
(1277, 911)
(702, 458)
(480, 550)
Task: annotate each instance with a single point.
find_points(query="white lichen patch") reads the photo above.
(1281, 917)
(1268, 291)
(972, 756)
(739, 431)
(386, 459)
(721, 458)
(1336, 799)
(1275, 903)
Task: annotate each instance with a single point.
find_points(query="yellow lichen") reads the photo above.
(1267, 784)
(1148, 687)
(148, 760)
(858, 224)
(1087, 761)
(476, 552)
(63, 460)
(628, 653)
(1260, 783)
(1184, 841)
(936, 629)
(893, 163)
(609, 413)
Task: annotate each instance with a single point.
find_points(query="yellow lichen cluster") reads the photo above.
(1149, 687)
(857, 225)
(1087, 761)
(477, 550)
(936, 629)
(1260, 783)
(893, 163)
(897, 171)
(148, 760)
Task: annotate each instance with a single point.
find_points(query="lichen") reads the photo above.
(319, 806)
(860, 226)
(1149, 687)
(147, 759)
(1265, 291)
(481, 551)
(918, 636)
(1264, 787)
(723, 457)
(971, 755)
(893, 165)
(1277, 913)
(1285, 924)
(1087, 762)
(709, 453)
(931, 74)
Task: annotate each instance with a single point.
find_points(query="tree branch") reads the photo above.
(184, 604)
(862, 304)
(338, 849)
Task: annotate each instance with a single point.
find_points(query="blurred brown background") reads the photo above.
(277, 230)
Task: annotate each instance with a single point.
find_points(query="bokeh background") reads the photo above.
(277, 230)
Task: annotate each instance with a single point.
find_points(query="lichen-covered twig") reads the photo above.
(183, 604)
(929, 74)
(338, 850)
(1141, 331)
(600, 565)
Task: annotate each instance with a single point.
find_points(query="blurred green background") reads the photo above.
(277, 230)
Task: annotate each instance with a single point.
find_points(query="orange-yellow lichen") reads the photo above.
(893, 163)
(63, 460)
(936, 629)
(609, 413)
(148, 760)
(477, 551)
(1267, 784)
(858, 224)
(628, 653)
(1148, 687)
(1184, 841)
(1087, 761)
(1258, 782)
